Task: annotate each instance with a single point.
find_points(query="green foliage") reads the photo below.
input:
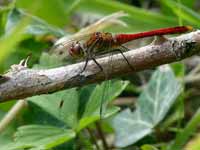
(53, 11)
(183, 12)
(138, 19)
(184, 135)
(42, 137)
(61, 120)
(194, 144)
(35, 27)
(148, 147)
(153, 104)
(68, 113)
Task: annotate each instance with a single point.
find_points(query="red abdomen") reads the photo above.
(124, 38)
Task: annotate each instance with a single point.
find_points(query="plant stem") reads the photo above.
(93, 139)
(13, 112)
(101, 135)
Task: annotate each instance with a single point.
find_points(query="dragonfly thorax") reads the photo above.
(97, 43)
(100, 41)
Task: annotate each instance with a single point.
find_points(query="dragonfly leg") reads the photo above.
(97, 63)
(120, 51)
(86, 62)
(85, 65)
(88, 52)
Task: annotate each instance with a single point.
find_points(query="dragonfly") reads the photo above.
(89, 46)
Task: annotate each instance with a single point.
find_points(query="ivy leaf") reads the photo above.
(152, 106)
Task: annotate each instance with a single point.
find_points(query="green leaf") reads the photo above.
(152, 106)
(28, 46)
(188, 3)
(183, 12)
(105, 92)
(40, 137)
(138, 19)
(36, 26)
(148, 147)
(53, 11)
(9, 41)
(85, 121)
(194, 144)
(48, 61)
(51, 104)
(185, 134)
(179, 69)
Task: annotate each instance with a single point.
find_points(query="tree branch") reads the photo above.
(21, 82)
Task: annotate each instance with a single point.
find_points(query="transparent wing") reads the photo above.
(62, 46)
(101, 24)
(65, 41)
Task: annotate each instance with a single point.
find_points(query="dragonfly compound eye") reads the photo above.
(76, 50)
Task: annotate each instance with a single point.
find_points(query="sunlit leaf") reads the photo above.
(8, 42)
(40, 137)
(151, 108)
(179, 69)
(53, 11)
(107, 91)
(138, 19)
(183, 136)
(36, 26)
(183, 12)
(148, 147)
(194, 144)
(85, 121)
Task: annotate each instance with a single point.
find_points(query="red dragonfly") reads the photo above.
(97, 43)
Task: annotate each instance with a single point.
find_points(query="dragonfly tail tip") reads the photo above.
(189, 28)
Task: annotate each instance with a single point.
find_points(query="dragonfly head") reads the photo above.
(76, 51)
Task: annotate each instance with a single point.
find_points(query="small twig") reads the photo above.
(192, 78)
(101, 135)
(195, 70)
(11, 115)
(24, 82)
(93, 139)
(124, 101)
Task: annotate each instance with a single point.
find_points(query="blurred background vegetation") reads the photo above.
(155, 109)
